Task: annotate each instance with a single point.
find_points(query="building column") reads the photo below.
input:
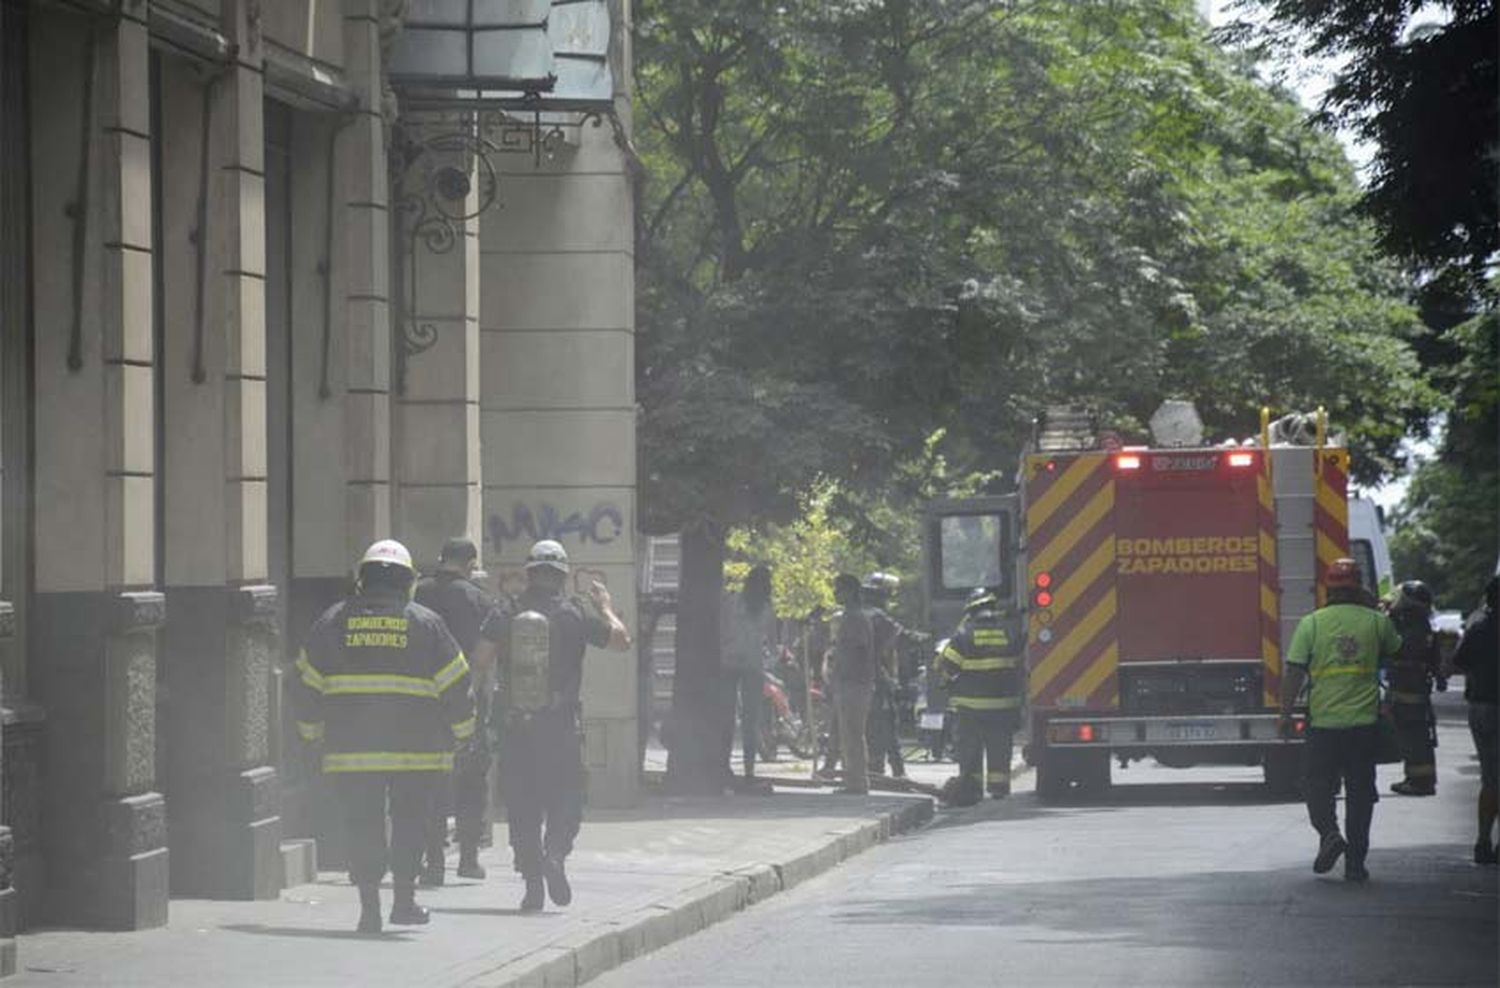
(364, 268)
(224, 815)
(557, 309)
(437, 429)
(93, 627)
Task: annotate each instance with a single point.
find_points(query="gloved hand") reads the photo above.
(1441, 684)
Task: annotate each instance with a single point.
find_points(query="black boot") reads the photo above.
(369, 909)
(535, 896)
(468, 862)
(405, 911)
(432, 874)
(558, 888)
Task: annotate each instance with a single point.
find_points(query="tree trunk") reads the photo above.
(695, 762)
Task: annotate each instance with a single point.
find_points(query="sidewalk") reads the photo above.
(642, 878)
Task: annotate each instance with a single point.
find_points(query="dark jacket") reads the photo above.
(983, 664)
(1478, 656)
(465, 608)
(384, 686)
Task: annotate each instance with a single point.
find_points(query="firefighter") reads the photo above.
(1412, 677)
(1340, 649)
(982, 669)
(883, 729)
(474, 618)
(386, 691)
(541, 675)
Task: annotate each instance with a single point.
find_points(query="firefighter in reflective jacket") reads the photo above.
(385, 690)
(541, 758)
(1412, 676)
(982, 669)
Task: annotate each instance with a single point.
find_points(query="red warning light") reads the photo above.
(1128, 461)
(1051, 466)
(1044, 580)
(1043, 598)
(1085, 732)
(1241, 459)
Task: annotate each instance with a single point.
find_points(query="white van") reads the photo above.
(1368, 547)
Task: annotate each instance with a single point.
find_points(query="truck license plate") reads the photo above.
(1192, 732)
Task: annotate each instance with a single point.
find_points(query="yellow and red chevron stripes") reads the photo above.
(1330, 513)
(1270, 587)
(1070, 534)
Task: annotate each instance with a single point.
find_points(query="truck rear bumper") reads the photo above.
(1119, 733)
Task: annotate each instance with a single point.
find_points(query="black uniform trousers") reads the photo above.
(1343, 755)
(467, 793)
(364, 797)
(1414, 732)
(541, 780)
(986, 735)
(881, 734)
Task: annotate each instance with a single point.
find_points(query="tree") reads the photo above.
(868, 221)
(1419, 82)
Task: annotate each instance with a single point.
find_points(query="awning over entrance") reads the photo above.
(541, 54)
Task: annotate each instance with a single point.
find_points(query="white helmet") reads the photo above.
(549, 554)
(388, 552)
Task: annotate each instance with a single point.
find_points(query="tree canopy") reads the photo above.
(867, 221)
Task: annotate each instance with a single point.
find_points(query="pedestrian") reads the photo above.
(386, 691)
(884, 737)
(1412, 677)
(850, 666)
(1340, 649)
(982, 670)
(747, 630)
(475, 619)
(540, 679)
(1478, 658)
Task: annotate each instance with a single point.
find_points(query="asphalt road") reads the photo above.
(1183, 877)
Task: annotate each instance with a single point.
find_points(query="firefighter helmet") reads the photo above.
(387, 552)
(1413, 594)
(882, 583)
(548, 554)
(982, 599)
(1343, 573)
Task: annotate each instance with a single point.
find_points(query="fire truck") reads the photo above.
(1157, 585)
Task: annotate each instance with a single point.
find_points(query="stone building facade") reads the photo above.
(260, 306)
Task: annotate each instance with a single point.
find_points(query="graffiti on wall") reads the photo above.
(599, 525)
(511, 579)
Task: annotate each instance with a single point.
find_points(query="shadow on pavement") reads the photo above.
(786, 804)
(1427, 917)
(310, 933)
(1027, 806)
(491, 911)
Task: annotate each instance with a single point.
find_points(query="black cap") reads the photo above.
(460, 549)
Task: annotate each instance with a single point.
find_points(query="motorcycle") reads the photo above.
(780, 724)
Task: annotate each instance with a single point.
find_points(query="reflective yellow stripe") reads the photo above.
(982, 665)
(344, 685)
(311, 677)
(451, 673)
(997, 776)
(308, 731)
(1327, 671)
(388, 761)
(991, 636)
(987, 702)
(1400, 696)
(465, 728)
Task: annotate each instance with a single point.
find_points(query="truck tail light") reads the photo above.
(1075, 733)
(1127, 461)
(1043, 598)
(1043, 581)
(1241, 459)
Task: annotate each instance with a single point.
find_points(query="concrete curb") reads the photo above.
(586, 954)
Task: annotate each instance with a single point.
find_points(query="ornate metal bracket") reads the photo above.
(438, 164)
